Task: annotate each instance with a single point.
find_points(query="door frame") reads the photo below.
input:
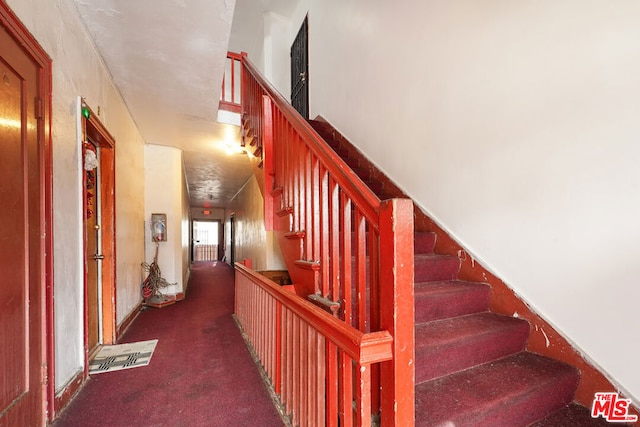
(232, 239)
(219, 243)
(19, 32)
(300, 92)
(92, 126)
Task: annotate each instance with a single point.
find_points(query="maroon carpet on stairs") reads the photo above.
(201, 373)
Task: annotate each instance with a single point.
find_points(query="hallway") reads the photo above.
(201, 373)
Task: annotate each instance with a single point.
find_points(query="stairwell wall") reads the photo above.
(514, 126)
(253, 241)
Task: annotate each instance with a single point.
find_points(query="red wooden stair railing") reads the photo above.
(348, 252)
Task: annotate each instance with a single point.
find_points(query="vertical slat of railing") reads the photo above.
(360, 271)
(279, 349)
(322, 363)
(332, 385)
(325, 231)
(286, 361)
(334, 238)
(374, 309)
(304, 371)
(345, 254)
(346, 391)
(290, 363)
(316, 210)
(363, 398)
(233, 80)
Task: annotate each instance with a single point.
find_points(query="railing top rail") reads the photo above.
(364, 197)
(236, 56)
(363, 347)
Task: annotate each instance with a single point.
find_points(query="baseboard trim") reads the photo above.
(67, 393)
(127, 321)
(181, 295)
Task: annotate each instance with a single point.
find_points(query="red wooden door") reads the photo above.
(22, 236)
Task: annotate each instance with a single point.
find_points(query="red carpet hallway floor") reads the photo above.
(201, 373)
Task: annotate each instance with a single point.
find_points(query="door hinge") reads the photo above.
(39, 108)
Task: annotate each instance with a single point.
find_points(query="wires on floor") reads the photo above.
(154, 281)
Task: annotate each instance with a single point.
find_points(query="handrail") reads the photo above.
(364, 348)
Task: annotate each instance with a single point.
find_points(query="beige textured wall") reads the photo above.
(253, 241)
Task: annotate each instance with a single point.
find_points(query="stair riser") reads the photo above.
(451, 304)
(424, 243)
(434, 362)
(436, 269)
(528, 409)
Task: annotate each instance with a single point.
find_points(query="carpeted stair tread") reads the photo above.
(450, 345)
(511, 392)
(573, 415)
(442, 300)
(435, 268)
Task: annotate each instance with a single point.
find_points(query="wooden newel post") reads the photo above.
(397, 312)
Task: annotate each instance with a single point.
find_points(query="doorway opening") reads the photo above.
(206, 240)
(98, 146)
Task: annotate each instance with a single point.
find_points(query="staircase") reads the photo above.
(471, 366)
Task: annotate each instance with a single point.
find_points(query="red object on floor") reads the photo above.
(201, 373)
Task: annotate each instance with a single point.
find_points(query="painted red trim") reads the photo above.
(47, 82)
(127, 321)
(69, 390)
(230, 106)
(108, 310)
(396, 273)
(363, 347)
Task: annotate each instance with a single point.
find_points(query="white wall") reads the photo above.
(165, 194)
(79, 71)
(513, 124)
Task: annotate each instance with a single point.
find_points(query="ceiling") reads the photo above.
(167, 59)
